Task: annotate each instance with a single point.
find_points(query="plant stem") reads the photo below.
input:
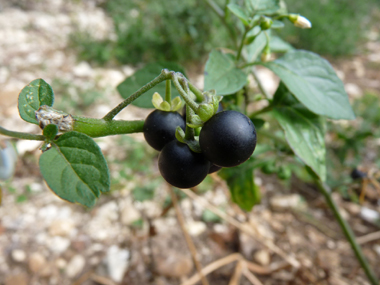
(163, 76)
(220, 13)
(168, 91)
(183, 93)
(101, 128)
(189, 132)
(347, 232)
(196, 92)
(20, 135)
(241, 44)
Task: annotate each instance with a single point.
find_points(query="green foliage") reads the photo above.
(159, 30)
(304, 130)
(31, 97)
(314, 82)
(144, 75)
(222, 75)
(240, 181)
(339, 26)
(75, 169)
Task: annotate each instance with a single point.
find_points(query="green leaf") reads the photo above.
(240, 13)
(254, 50)
(222, 75)
(240, 181)
(314, 82)
(304, 130)
(258, 123)
(141, 77)
(279, 45)
(277, 24)
(267, 7)
(75, 169)
(50, 131)
(31, 97)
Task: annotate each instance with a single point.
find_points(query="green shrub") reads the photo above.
(148, 30)
(338, 26)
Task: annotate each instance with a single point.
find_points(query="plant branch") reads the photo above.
(196, 92)
(163, 76)
(182, 92)
(326, 191)
(188, 239)
(101, 128)
(241, 44)
(20, 135)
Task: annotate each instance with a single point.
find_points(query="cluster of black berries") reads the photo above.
(226, 140)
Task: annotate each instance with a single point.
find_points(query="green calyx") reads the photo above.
(159, 103)
(193, 143)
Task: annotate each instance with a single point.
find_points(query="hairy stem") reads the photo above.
(163, 76)
(20, 135)
(101, 128)
(348, 233)
(183, 93)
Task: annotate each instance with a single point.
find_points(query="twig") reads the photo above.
(350, 236)
(102, 280)
(252, 278)
(248, 230)
(212, 267)
(232, 258)
(188, 239)
(368, 238)
(235, 279)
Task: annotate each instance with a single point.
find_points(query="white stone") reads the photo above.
(83, 69)
(117, 262)
(23, 146)
(18, 255)
(262, 257)
(58, 244)
(61, 263)
(75, 266)
(353, 90)
(129, 214)
(285, 202)
(61, 228)
(369, 215)
(196, 228)
(37, 262)
(376, 248)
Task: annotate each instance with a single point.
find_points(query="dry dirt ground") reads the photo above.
(44, 240)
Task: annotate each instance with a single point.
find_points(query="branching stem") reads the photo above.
(350, 236)
(20, 135)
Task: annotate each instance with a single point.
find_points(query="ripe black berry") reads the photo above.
(228, 138)
(182, 167)
(159, 128)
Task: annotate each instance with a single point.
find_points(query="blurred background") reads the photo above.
(84, 49)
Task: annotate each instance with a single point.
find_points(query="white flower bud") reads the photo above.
(300, 21)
